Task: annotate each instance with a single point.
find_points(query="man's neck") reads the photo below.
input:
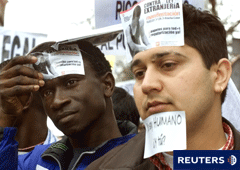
(95, 137)
(102, 130)
(206, 135)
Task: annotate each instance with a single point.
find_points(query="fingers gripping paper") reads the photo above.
(66, 60)
(151, 23)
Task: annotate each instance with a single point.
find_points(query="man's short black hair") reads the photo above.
(205, 32)
(94, 55)
(124, 106)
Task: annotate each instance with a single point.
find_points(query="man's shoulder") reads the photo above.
(126, 155)
(36, 152)
(236, 139)
(134, 146)
(41, 150)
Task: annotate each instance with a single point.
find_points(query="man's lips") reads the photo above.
(156, 106)
(65, 114)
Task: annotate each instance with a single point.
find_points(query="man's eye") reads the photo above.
(47, 93)
(169, 66)
(71, 82)
(139, 74)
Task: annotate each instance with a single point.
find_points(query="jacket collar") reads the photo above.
(236, 135)
(62, 146)
(127, 127)
(130, 154)
(61, 151)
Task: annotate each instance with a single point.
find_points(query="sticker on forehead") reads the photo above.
(67, 60)
(150, 23)
(165, 132)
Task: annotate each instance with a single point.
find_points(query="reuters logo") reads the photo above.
(232, 160)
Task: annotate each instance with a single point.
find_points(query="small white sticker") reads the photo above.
(165, 132)
(67, 60)
(150, 24)
(39, 167)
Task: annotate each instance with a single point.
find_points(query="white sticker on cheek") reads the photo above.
(67, 60)
(165, 132)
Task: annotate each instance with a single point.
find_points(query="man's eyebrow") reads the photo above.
(135, 63)
(160, 55)
(156, 56)
(179, 54)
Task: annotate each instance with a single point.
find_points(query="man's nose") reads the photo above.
(151, 81)
(60, 99)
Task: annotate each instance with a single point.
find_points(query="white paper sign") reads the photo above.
(150, 24)
(67, 60)
(165, 132)
(111, 16)
(108, 12)
(17, 43)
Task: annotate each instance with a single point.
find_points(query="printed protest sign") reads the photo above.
(150, 24)
(111, 13)
(111, 16)
(165, 132)
(67, 60)
(17, 43)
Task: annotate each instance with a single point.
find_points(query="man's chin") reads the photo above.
(74, 133)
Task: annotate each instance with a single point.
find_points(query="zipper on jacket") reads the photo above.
(87, 152)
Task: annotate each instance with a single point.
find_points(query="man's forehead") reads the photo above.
(58, 81)
(53, 81)
(159, 52)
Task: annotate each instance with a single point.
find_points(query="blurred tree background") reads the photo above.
(228, 12)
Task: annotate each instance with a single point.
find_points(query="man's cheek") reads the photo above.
(137, 102)
(140, 108)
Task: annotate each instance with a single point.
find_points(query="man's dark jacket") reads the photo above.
(56, 156)
(129, 156)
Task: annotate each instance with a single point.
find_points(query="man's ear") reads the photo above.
(109, 84)
(224, 71)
